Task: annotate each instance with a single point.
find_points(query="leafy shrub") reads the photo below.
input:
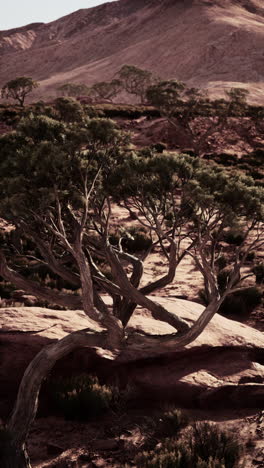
(206, 447)
(159, 147)
(234, 237)
(127, 111)
(221, 262)
(207, 443)
(171, 422)
(258, 271)
(6, 290)
(137, 240)
(227, 159)
(134, 239)
(242, 302)
(81, 397)
(250, 256)
(222, 278)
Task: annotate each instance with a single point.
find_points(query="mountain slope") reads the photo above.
(208, 43)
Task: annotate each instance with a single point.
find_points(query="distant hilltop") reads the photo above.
(214, 44)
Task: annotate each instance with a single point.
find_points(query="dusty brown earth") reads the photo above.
(214, 44)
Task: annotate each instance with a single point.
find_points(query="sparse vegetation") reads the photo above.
(81, 398)
(205, 446)
(19, 88)
(64, 170)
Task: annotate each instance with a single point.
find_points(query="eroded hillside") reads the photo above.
(207, 43)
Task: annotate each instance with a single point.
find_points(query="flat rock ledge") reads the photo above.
(224, 366)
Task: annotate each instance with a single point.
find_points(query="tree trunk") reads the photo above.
(14, 454)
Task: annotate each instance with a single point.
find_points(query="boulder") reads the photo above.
(223, 366)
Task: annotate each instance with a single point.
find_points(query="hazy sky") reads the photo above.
(14, 13)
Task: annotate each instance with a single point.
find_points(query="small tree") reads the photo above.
(19, 88)
(68, 109)
(58, 192)
(106, 89)
(191, 113)
(135, 80)
(74, 89)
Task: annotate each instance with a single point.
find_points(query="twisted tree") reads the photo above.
(19, 88)
(59, 189)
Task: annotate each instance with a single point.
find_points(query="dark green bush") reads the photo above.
(242, 302)
(138, 240)
(258, 271)
(221, 262)
(250, 256)
(159, 147)
(127, 111)
(206, 447)
(223, 278)
(134, 239)
(207, 443)
(234, 237)
(81, 397)
(171, 422)
(6, 290)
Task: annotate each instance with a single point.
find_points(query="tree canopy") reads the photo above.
(193, 114)
(19, 88)
(61, 182)
(135, 80)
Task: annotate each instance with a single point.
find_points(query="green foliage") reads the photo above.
(42, 128)
(135, 80)
(136, 240)
(74, 89)
(19, 88)
(45, 155)
(127, 111)
(6, 290)
(106, 89)
(165, 95)
(221, 262)
(208, 442)
(69, 110)
(206, 447)
(242, 302)
(170, 423)
(81, 397)
(10, 115)
(234, 237)
(258, 270)
(159, 147)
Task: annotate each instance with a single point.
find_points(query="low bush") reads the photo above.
(127, 111)
(234, 237)
(242, 302)
(159, 147)
(81, 397)
(170, 423)
(134, 239)
(6, 290)
(205, 447)
(208, 443)
(258, 271)
(137, 240)
(221, 262)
